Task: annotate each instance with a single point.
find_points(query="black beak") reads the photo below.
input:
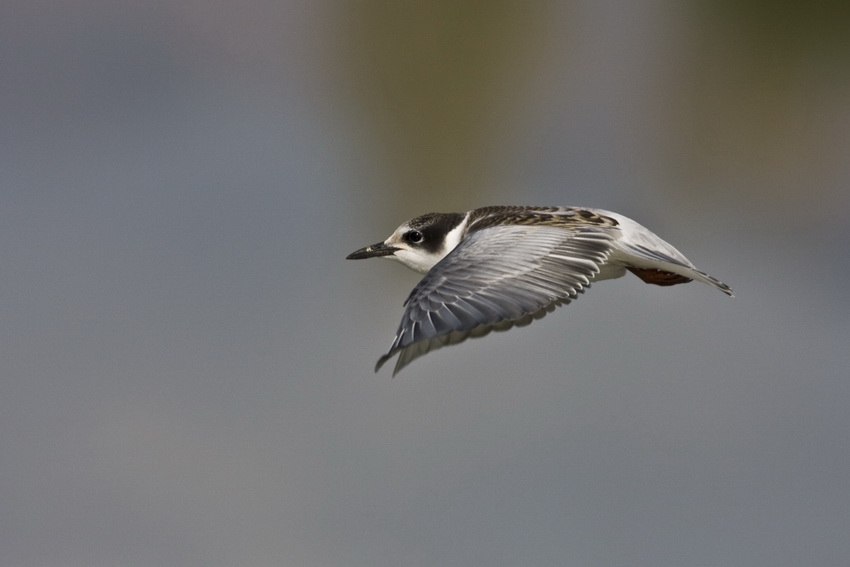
(374, 251)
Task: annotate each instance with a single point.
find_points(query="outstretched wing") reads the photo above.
(497, 278)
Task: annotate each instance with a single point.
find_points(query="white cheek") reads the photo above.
(415, 261)
(454, 237)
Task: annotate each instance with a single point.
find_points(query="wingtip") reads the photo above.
(714, 282)
(381, 361)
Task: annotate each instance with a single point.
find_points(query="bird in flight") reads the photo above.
(494, 268)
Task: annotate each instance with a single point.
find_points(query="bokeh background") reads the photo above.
(186, 357)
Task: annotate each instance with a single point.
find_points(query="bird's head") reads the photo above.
(419, 243)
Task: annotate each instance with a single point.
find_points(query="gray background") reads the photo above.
(186, 357)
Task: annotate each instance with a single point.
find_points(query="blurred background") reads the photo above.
(186, 357)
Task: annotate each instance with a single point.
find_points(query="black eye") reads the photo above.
(413, 236)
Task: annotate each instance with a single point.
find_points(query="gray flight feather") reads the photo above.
(497, 278)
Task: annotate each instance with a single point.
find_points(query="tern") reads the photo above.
(494, 268)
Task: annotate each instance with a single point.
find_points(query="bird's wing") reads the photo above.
(497, 278)
(658, 254)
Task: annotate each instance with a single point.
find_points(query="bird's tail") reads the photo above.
(682, 274)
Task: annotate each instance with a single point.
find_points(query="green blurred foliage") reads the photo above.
(432, 78)
(762, 84)
(787, 29)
